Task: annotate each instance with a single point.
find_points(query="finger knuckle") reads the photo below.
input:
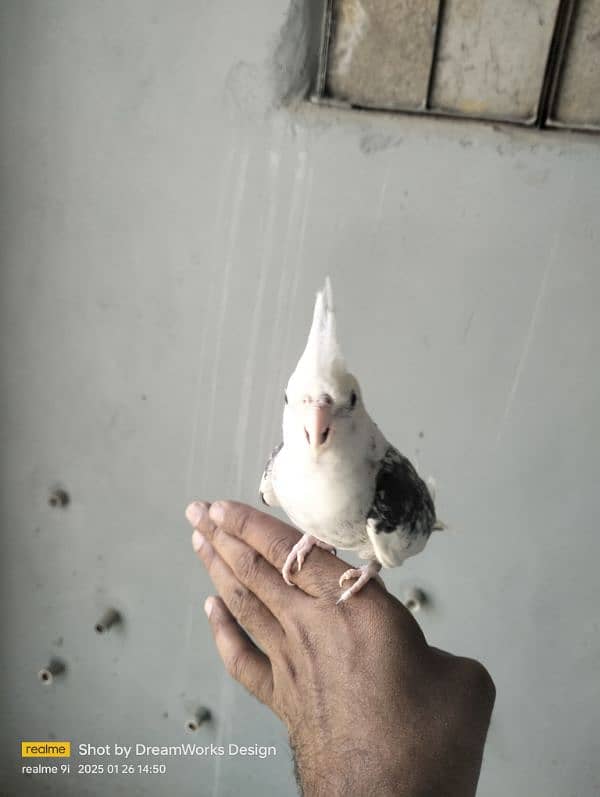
(243, 522)
(248, 565)
(239, 601)
(278, 550)
(236, 666)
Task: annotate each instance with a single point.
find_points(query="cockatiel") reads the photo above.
(335, 475)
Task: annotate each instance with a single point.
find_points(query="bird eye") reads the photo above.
(352, 398)
(285, 398)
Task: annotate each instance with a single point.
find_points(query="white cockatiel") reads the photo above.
(335, 475)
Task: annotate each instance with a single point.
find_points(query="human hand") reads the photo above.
(370, 707)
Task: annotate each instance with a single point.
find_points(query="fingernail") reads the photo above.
(208, 606)
(197, 540)
(194, 513)
(217, 513)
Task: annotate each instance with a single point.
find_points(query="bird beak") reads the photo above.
(317, 427)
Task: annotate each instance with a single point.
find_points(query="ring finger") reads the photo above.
(247, 609)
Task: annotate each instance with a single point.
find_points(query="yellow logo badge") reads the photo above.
(47, 749)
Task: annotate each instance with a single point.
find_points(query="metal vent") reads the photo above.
(529, 62)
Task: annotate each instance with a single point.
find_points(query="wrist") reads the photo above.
(347, 770)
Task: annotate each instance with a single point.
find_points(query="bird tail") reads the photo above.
(439, 525)
(431, 486)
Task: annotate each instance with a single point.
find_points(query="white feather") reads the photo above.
(391, 549)
(322, 354)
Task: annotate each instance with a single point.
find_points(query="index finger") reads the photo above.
(273, 540)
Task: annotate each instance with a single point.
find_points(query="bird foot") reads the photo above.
(298, 554)
(363, 575)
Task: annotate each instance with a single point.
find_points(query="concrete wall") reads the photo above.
(165, 222)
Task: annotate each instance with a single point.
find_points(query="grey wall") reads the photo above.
(165, 224)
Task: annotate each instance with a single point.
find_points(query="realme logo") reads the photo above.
(45, 749)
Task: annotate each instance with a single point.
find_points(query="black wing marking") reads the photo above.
(268, 468)
(402, 500)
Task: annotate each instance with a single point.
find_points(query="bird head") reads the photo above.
(322, 399)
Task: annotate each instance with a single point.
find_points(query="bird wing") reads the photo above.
(402, 514)
(266, 490)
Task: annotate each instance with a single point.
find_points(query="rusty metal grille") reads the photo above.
(526, 62)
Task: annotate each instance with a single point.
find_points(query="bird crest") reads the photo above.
(322, 354)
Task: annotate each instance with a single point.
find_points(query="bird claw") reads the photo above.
(352, 573)
(298, 555)
(326, 547)
(362, 575)
(287, 567)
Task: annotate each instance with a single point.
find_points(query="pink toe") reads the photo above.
(286, 578)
